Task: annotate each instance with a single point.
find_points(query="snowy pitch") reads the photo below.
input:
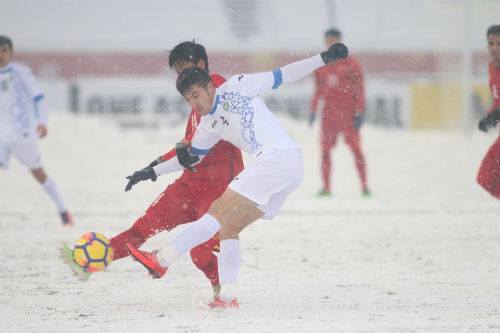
(421, 255)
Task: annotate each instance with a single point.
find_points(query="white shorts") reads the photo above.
(270, 179)
(25, 150)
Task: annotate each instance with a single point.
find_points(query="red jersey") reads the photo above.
(494, 86)
(218, 167)
(340, 85)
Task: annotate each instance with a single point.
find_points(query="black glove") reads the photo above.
(138, 176)
(489, 121)
(358, 120)
(335, 52)
(312, 118)
(185, 158)
(154, 163)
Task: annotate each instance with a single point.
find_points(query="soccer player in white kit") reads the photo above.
(23, 118)
(234, 112)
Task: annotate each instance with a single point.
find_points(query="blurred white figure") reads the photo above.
(23, 118)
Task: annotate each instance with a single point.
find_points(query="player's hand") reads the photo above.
(312, 118)
(335, 52)
(42, 131)
(185, 158)
(489, 121)
(358, 120)
(154, 163)
(141, 175)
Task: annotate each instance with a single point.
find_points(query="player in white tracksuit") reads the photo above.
(23, 118)
(234, 112)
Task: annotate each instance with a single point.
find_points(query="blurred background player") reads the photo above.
(190, 196)
(489, 171)
(340, 85)
(23, 119)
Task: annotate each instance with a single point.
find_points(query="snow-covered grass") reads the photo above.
(421, 255)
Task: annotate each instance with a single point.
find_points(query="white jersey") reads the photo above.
(20, 103)
(240, 117)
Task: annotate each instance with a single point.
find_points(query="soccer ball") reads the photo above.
(93, 252)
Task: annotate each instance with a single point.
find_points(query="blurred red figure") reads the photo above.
(340, 85)
(489, 171)
(191, 195)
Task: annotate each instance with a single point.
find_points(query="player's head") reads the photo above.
(493, 37)
(188, 54)
(332, 36)
(196, 85)
(5, 51)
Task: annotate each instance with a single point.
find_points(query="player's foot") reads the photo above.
(220, 303)
(66, 256)
(366, 193)
(148, 260)
(66, 219)
(324, 193)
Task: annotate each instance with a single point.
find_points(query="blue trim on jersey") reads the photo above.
(197, 151)
(6, 70)
(215, 105)
(38, 98)
(278, 78)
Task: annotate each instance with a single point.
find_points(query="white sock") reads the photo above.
(229, 267)
(51, 188)
(196, 233)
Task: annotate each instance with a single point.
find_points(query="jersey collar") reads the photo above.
(214, 107)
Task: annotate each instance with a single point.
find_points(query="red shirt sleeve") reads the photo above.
(193, 121)
(494, 86)
(319, 87)
(358, 87)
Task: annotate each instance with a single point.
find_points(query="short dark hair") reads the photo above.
(4, 40)
(188, 51)
(493, 30)
(333, 32)
(190, 77)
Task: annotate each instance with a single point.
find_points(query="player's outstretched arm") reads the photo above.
(256, 84)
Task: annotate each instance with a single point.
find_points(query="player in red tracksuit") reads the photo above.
(340, 86)
(489, 171)
(191, 195)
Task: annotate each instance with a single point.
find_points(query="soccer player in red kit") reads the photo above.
(340, 86)
(489, 172)
(191, 195)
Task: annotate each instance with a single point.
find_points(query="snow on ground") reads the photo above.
(421, 255)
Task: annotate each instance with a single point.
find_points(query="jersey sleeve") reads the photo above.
(319, 87)
(36, 94)
(358, 88)
(203, 140)
(256, 84)
(495, 89)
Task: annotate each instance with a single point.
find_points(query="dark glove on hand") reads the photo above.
(312, 118)
(335, 52)
(489, 121)
(155, 163)
(138, 176)
(357, 121)
(186, 159)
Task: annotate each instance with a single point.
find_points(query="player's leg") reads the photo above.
(206, 261)
(353, 140)
(488, 175)
(328, 140)
(237, 208)
(173, 207)
(26, 151)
